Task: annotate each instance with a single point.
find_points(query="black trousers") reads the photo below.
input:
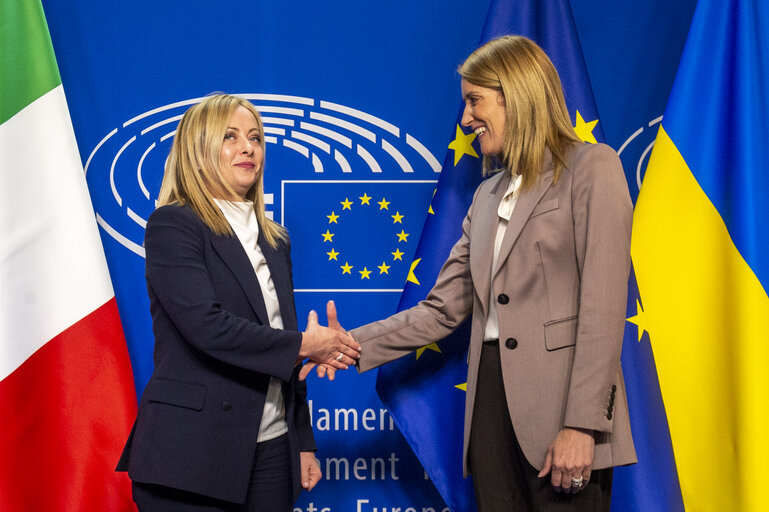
(503, 479)
(270, 489)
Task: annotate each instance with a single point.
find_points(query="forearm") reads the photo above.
(602, 213)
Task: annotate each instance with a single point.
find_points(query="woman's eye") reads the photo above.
(228, 136)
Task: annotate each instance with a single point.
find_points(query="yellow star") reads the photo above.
(462, 386)
(332, 218)
(365, 199)
(412, 278)
(585, 130)
(430, 209)
(640, 320)
(364, 274)
(402, 236)
(462, 145)
(383, 204)
(383, 268)
(431, 346)
(397, 218)
(332, 255)
(397, 255)
(346, 268)
(328, 237)
(346, 204)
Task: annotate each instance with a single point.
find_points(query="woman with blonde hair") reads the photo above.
(223, 423)
(542, 265)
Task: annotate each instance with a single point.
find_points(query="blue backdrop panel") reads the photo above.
(359, 101)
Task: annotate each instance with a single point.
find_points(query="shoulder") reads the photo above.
(486, 188)
(491, 184)
(593, 163)
(175, 215)
(592, 157)
(173, 221)
(597, 176)
(172, 212)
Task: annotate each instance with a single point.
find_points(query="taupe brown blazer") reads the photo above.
(560, 287)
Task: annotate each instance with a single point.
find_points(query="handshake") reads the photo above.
(329, 348)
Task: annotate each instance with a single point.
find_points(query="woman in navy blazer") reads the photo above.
(223, 423)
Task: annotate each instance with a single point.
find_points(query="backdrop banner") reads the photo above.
(359, 103)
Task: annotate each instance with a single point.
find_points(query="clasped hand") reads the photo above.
(332, 348)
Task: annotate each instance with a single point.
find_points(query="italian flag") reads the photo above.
(67, 398)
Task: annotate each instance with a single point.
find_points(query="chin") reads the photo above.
(490, 151)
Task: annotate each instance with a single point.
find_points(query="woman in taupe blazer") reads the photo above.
(542, 265)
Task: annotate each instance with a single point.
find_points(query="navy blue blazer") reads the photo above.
(215, 352)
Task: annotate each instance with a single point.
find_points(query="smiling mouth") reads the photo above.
(245, 165)
(480, 131)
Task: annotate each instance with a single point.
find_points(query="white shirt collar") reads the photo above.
(507, 204)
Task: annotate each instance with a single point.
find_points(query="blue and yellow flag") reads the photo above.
(701, 253)
(425, 392)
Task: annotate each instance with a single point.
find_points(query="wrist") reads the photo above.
(306, 340)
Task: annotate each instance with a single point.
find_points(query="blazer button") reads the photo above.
(608, 416)
(503, 299)
(613, 388)
(226, 406)
(511, 343)
(610, 408)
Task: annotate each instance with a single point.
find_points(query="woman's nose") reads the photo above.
(467, 117)
(247, 147)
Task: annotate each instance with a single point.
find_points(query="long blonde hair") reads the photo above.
(193, 173)
(535, 110)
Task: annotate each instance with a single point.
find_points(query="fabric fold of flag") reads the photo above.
(66, 390)
(700, 245)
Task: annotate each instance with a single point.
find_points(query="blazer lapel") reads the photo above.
(281, 279)
(234, 256)
(526, 202)
(484, 230)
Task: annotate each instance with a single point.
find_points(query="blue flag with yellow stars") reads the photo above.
(425, 392)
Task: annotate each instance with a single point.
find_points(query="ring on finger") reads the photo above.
(576, 482)
(339, 357)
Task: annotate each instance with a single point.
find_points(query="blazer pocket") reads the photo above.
(561, 333)
(545, 207)
(180, 394)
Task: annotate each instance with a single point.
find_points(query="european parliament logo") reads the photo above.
(351, 188)
(635, 152)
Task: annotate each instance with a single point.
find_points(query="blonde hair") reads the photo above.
(192, 173)
(535, 110)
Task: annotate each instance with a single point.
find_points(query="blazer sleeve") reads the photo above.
(447, 305)
(177, 273)
(602, 213)
(302, 421)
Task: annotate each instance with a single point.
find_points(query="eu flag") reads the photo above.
(425, 392)
(700, 245)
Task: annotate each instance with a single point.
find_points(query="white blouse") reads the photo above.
(505, 211)
(242, 219)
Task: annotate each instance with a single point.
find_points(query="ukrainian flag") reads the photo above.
(701, 254)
